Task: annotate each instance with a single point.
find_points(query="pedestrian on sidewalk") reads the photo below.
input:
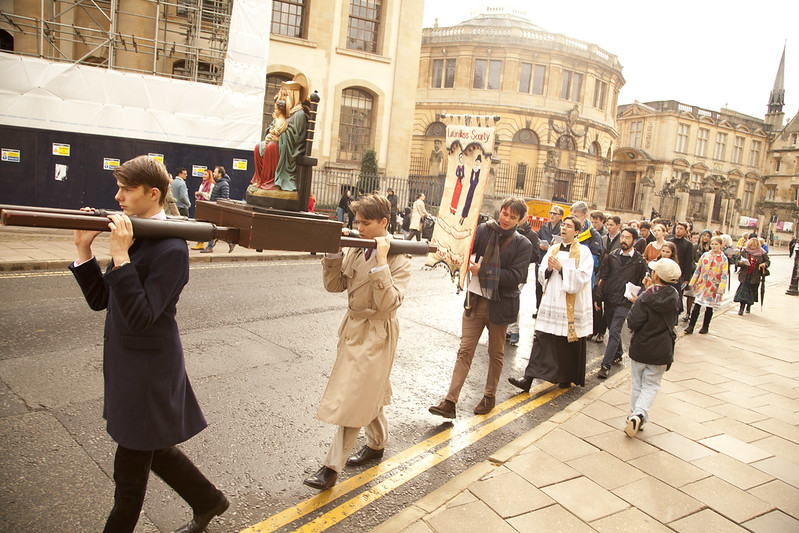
(418, 214)
(149, 404)
(651, 319)
(512, 335)
(754, 262)
(359, 385)
(501, 262)
(181, 192)
(708, 284)
(203, 194)
(685, 252)
(548, 235)
(620, 269)
(564, 315)
(221, 191)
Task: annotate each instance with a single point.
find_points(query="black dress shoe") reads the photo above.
(523, 383)
(200, 521)
(364, 455)
(323, 479)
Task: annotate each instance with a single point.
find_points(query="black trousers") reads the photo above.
(131, 472)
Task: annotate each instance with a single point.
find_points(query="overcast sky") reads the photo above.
(707, 53)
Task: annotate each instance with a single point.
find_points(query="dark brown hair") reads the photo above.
(516, 205)
(372, 207)
(146, 171)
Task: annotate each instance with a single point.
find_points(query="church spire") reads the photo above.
(777, 98)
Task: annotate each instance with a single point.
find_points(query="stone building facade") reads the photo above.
(355, 53)
(722, 169)
(685, 161)
(555, 98)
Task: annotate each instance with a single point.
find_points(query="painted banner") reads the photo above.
(469, 150)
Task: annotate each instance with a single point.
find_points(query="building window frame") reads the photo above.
(521, 175)
(683, 133)
(701, 142)
(754, 154)
(443, 74)
(771, 193)
(364, 24)
(748, 197)
(288, 18)
(738, 150)
(636, 133)
(356, 123)
(720, 147)
(600, 93)
(487, 74)
(571, 85)
(696, 181)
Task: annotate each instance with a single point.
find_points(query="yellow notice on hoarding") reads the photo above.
(11, 155)
(197, 171)
(61, 149)
(158, 157)
(239, 164)
(109, 163)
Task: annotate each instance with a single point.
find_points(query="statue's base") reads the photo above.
(274, 198)
(272, 229)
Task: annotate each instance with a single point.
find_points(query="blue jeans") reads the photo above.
(644, 387)
(615, 317)
(339, 214)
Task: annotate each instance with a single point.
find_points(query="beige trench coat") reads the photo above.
(417, 214)
(367, 338)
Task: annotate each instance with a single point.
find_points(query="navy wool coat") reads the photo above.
(149, 403)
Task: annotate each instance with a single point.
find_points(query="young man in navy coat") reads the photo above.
(148, 404)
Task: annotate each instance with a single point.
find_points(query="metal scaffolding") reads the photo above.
(185, 39)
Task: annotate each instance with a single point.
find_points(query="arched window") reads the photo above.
(594, 148)
(436, 129)
(355, 124)
(525, 136)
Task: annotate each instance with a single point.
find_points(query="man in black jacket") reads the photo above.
(651, 320)
(221, 190)
(512, 336)
(685, 258)
(392, 220)
(620, 267)
(502, 258)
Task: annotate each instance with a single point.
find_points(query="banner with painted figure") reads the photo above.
(469, 151)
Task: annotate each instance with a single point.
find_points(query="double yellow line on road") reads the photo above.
(458, 437)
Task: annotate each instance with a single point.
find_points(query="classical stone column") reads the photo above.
(647, 191)
(548, 186)
(601, 187)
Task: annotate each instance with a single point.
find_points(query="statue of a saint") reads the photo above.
(436, 157)
(284, 141)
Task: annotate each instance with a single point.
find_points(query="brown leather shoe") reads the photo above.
(485, 406)
(446, 409)
(364, 455)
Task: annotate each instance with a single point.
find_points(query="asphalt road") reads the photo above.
(260, 342)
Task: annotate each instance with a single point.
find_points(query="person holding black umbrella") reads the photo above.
(754, 263)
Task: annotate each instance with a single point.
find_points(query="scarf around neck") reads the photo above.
(574, 253)
(490, 268)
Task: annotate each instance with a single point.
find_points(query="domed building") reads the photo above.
(555, 98)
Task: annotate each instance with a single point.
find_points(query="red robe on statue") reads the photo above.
(264, 177)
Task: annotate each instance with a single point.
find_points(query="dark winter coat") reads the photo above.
(221, 189)
(615, 274)
(527, 230)
(514, 261)
(651, 320)
(685, 256)
(148, 402)
(756, 275)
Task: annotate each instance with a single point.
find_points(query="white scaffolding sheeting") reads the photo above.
(42, 94)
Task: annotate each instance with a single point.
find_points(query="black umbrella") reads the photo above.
(763, 285)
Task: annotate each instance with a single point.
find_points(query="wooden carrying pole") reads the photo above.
(260, 235)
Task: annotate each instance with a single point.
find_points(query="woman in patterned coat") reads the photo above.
(708, 284)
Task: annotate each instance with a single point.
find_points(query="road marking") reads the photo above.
(460, 437)
(35, 274)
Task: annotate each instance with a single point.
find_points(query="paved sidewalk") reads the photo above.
(721, 451)
(46, 249)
